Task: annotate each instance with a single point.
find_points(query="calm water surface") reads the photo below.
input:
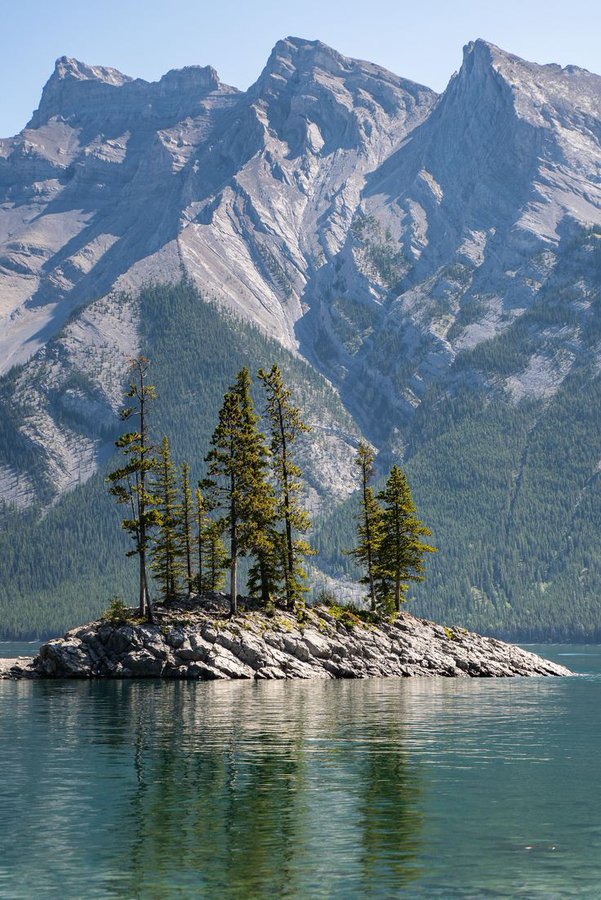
(445, 788)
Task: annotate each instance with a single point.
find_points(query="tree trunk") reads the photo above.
(287, 511)
(233, 568)
(234, 586)
(189, 564)
(265, 598)
(148, 600)
(142, 601)
(370, 565)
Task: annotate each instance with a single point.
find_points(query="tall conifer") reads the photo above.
(166, 550)
(237, 465)
(186, 518)
(202, 523)
(213, 577)
(129, 483)
(286, 425)
(211, 553)
(369, 527)
(401, 551)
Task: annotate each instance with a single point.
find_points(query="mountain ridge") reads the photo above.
(429, 255)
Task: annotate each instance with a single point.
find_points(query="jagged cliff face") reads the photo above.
(117, 182)
(466, 226)
(90, 192)
(378, 230)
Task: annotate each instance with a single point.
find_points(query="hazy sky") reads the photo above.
(419, 40)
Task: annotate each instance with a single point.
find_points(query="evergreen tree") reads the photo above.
(213, 577)
(369, 527)
(186, 525)
(237, 465)
(286, 425)
(400, 552)
(129, 483)
(211, 553)
(267, 574)
(202, 524)
(166, 551)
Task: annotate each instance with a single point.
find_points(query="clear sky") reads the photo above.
(145, 38)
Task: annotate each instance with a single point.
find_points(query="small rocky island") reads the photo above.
(200, 641)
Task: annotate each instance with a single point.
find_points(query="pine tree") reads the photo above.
(186, 525)
(166, 550)
(286, 425)
(129, 483)
(369, 526)
(267, 574)
(213, 577)
(237, 465)
(211, 553)
(400, 554)
(202, 524)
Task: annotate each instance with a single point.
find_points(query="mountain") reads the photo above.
(427, 268)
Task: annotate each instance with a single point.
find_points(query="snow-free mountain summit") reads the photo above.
(436, 259)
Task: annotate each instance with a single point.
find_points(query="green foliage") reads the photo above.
(370, 525)
(350, 615)
(211, 553)
(400, 550)
(129, 482)
(380, 254)
(282, 558)
(213, 575)
(167, 564)
(117, 613)
(237, 482)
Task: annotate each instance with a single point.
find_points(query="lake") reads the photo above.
(445, 788)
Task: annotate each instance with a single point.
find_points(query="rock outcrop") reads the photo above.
(201, 642)
(436, 258)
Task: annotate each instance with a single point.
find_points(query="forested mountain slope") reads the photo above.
(437, 259)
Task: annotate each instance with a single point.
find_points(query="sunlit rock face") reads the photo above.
(380, 231)
(197, 640)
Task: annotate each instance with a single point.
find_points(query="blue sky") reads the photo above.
(145, 38)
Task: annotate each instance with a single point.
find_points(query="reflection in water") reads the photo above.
(408, 788)
(239, 790)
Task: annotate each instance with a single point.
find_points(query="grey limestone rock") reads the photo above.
(256, 646)
(333, 203)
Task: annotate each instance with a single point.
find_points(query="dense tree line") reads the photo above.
(251, 496)
(512, 492)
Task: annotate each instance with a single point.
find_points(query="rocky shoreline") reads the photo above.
(199, 641)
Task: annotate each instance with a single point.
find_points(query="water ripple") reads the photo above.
(382, 788)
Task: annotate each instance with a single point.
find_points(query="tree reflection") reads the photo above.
(266, 791)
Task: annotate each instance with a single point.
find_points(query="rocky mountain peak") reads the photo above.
(73, 88)
(294, 55)
(68, 67)
(538, 86)
(297, 59)
(93, 95)
(316, 98)
(192, 78)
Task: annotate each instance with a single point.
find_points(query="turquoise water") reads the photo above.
(9, 649)
(444, 788)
